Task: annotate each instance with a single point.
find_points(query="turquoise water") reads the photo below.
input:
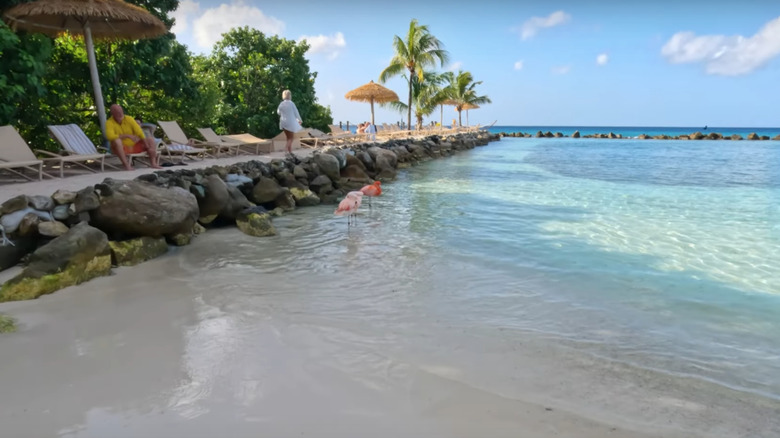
(662, 254)
(635, 131)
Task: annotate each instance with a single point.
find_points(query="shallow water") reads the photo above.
(554, 272)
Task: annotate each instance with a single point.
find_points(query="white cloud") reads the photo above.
(535, 24)
(725, 55)
(519, 65)
(182, 15)
(210, 26)
(328, 45)
(455, 66)
(602, 59)
(561, 70)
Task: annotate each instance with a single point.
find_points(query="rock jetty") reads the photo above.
(693, 136)
(72, 237)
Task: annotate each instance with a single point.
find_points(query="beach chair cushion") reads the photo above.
(73, 139)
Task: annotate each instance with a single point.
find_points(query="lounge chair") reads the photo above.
(242, 140)
(77, 148)
(15, 154)
(180, 144)
(262, 146)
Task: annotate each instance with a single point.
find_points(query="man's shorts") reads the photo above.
(137, 148)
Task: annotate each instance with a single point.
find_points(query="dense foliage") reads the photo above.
(46, 81)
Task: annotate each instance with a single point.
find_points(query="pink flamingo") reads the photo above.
(372, 190)
(349, 206)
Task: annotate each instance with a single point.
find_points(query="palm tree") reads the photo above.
(420, 49)
(462, 93)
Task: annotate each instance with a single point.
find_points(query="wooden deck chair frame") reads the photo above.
(75, 149)
(16, 154)
(242, 141)
(175, 135)
(73, 140)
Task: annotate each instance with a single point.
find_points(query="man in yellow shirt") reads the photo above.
(126, 137)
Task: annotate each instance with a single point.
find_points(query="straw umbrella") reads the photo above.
(104, 19)
(372, 92)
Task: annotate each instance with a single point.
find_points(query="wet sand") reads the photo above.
(198, 344)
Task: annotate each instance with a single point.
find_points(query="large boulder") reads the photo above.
(14, 204)
(10, 255)
(329, 165)
(354, 173)
(75, 257)
(215, 196)
(52, 229)
(285, 201)
(134, 251)
(42, 203)
(137, 208)
(753, 136)
(353, 160)
(256, 222)
(340, 155)
(86, 200)
(305, 198)
(366, 159)
(321, 184)
(63, 197)
(266, 190)
(235, 205)
(377, 152)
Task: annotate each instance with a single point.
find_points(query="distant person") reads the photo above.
(371, 131)
(362, 128)
(126, 137)
(289, 118)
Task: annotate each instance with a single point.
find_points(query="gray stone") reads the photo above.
(235, 180)
(43, 203)
(329, 165)
(340, 155)
(237, 203)
(391, 158)
(266, 190)
(52, 229)
(86, 200)
(29, 225)
(61, 212)
(215, 198)
(285, 201)
(11, 221)
(255, 221)
(321, 184)
(14, 204)
(63, 197)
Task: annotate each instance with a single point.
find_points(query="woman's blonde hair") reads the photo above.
(286, 95)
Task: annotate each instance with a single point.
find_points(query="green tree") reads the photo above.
(461, 91)
(427, 94)
(413, 54)
(252, 70)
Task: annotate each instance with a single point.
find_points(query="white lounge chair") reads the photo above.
(15, 154)
(180, 144)
(77, 148)
(242, 140)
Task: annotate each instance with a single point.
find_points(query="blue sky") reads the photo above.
(609, 62)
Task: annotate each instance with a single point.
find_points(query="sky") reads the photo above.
(541, 62)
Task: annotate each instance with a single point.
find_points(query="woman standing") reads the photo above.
(289, 118)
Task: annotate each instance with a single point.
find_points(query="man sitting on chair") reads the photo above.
(126, 137)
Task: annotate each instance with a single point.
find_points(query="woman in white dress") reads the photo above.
(289, 118)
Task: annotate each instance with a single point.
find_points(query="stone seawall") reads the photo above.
(71, 237)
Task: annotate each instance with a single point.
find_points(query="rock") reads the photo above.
(205, 220)
(180, 239)
(287, 179)
(29, 225)
(75, 257)
(256, 222)
(354, 172)
(714, 136)
(61, 212)
(539, 134)
(352, 160)
(63, 197)
(643, 136)
(305, 198)
(14, 204)
(752, 136)
(198, 229)
(215, 198)
(266, 190)
(377, 152)
(86, 200)
(321, 184)
(285, 201)
(736, 137)
(52, 229)
(237, 203)
(10, 255)
(777, 137)
(576, 134)
(277, 212)
(382, 163)
(366, 159)
(386, 175)
(136, 209)
(7, 324)
(696, 136)
(134, 251)
(11, 221)
(328, 164)
(764, 137)
(558, 134)
(300, 173)
(42, 203)
(340, 155)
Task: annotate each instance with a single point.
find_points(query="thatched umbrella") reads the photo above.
(372, 92)
(104, 19)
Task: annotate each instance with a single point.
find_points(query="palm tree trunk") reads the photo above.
(460, 119)
(409, 115)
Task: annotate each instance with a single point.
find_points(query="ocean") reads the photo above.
(636, 131)
(630, 282)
